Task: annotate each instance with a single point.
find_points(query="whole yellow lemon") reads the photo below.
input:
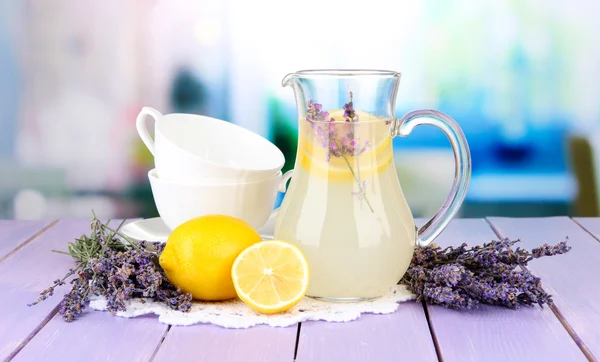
(200, 252)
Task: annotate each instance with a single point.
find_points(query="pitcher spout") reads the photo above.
(288, 79)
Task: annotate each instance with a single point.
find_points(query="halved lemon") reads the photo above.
(270, 276)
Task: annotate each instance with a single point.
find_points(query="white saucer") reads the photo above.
(156, 230)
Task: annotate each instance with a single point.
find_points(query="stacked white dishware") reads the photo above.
(207, 166)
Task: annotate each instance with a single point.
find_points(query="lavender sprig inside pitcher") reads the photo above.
(338, 144)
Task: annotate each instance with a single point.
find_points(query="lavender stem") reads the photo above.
(360, 188)
(117, 232)
(60, 252)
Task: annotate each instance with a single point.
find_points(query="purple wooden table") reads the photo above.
(568, 331)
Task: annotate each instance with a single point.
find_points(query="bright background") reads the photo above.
(520, 76)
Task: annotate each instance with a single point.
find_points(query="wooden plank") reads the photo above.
(96, 336)
(14, 233)
(494, 333)
(400, 336)
(572, 279)
(207, 343)
(590, 224)
(23, 275)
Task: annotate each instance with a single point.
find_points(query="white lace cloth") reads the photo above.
(235, 314)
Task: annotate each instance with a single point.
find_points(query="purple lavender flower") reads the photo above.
(450, 274)
(349, 112)
(493, 273)
(327, 131)
(547, 250)
(338, 140)
(119, 272)
(447, 296)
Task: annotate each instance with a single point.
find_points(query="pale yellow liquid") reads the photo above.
(353, 252)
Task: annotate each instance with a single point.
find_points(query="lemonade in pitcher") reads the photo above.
(352, 215)
(344, 207)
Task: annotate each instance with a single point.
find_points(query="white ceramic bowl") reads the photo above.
(195, 148)
(252, 202)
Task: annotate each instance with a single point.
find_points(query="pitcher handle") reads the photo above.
(282, 188)
(142, 128)
(462, 167)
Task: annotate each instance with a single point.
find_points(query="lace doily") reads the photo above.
(235, 314)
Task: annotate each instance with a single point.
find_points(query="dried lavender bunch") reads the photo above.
(494, 273)
(117, 270)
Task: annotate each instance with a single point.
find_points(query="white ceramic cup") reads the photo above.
(252, 202)
(193, 148)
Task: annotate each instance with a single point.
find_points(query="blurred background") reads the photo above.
(520, 76)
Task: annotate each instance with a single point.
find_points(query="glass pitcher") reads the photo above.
(344, 207)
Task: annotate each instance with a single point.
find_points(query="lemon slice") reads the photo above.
(313, 156)
(342, 173)
(270, 276)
